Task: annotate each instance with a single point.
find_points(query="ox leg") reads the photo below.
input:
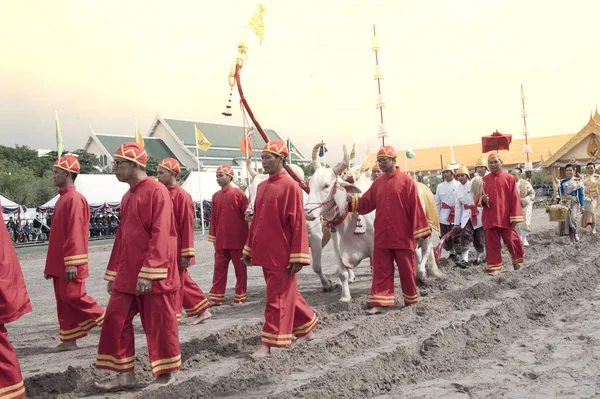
(429, 259)
(351, 276)
(421, 260)
(344, 275)
(315, 254)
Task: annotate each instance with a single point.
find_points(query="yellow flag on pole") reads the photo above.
(201, 142)
(59, 140)
(138, 135)
(256, 23)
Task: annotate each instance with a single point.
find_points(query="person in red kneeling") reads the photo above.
(228, 232)
(67, 258)
(192, 298)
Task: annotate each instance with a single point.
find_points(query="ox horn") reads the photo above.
(315, 161)
(339, 168)
(250, 168)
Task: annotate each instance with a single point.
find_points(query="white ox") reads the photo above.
(328, 199)
(316, 238)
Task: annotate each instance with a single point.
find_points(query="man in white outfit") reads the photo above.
(445, 201)
(467, 222)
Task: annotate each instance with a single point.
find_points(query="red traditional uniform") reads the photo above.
(503, 209)
(192, 298)
(278, 238)
(145, 247)
(399, 221)
(14, 303)
(229, 231)
(77, 311)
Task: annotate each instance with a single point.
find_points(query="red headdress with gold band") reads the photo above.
(387, 151)
(68, 163)
(227, 169)
(376, 166)
(276, 147)
(495, 155)
(171, 165)
(132, 152)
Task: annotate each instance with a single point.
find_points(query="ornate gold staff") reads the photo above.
(378, 76)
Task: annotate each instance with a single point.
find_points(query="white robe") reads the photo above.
(446, 192)
(464, 196)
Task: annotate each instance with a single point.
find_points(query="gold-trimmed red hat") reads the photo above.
(132, 152)
(276, 147)
(387, 151)
(494, 155)
(225, 168)
(171, 165)
(68, 163)
(376, 166)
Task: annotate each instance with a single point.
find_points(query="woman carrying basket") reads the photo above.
(571, 196)
(591, 184)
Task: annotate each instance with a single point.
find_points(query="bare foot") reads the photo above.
(262, 352)
(163, 380)
(212, 303)
(308, 337)
(497, 272)
(374, 310)
(121, 382)
(64, 347)
(239, 303)
(517, 266)
(202, 317)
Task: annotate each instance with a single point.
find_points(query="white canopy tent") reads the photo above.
(9, 208)
(205, 180)
(97, 190)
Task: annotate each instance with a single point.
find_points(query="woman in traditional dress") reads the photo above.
(571, 196)
(591, 184)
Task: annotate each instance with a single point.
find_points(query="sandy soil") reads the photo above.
(531, 333)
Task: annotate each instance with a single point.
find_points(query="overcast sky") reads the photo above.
(453, 68)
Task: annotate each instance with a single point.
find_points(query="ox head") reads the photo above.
(326, 191)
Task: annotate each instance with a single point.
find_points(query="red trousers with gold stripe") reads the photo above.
(493, 248)
(287, 312)
(77, 311)
(11, 380)
(222, 258)
(382, 289)
(191, 297)
(116, 350)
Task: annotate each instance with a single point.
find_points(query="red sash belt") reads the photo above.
(452, 211)
(474, 212)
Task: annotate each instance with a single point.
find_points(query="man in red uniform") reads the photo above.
(14, 303)
(192, 298)
(142, 277)
(67, 258)
(399, 222)
(228, 232)
(501, 213)
(278, 241)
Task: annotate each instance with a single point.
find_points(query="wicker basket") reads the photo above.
(557, 213)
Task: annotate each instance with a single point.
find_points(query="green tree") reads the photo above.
(151, 166)
(16, 182)
(90, 163)
(43, 190)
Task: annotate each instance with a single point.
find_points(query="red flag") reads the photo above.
(245, 145)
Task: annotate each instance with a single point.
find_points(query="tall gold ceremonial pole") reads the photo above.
(378, 76)
(527, 148)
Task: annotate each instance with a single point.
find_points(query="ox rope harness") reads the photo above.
(339, 216)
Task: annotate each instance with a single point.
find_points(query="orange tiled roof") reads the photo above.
(428, 159)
